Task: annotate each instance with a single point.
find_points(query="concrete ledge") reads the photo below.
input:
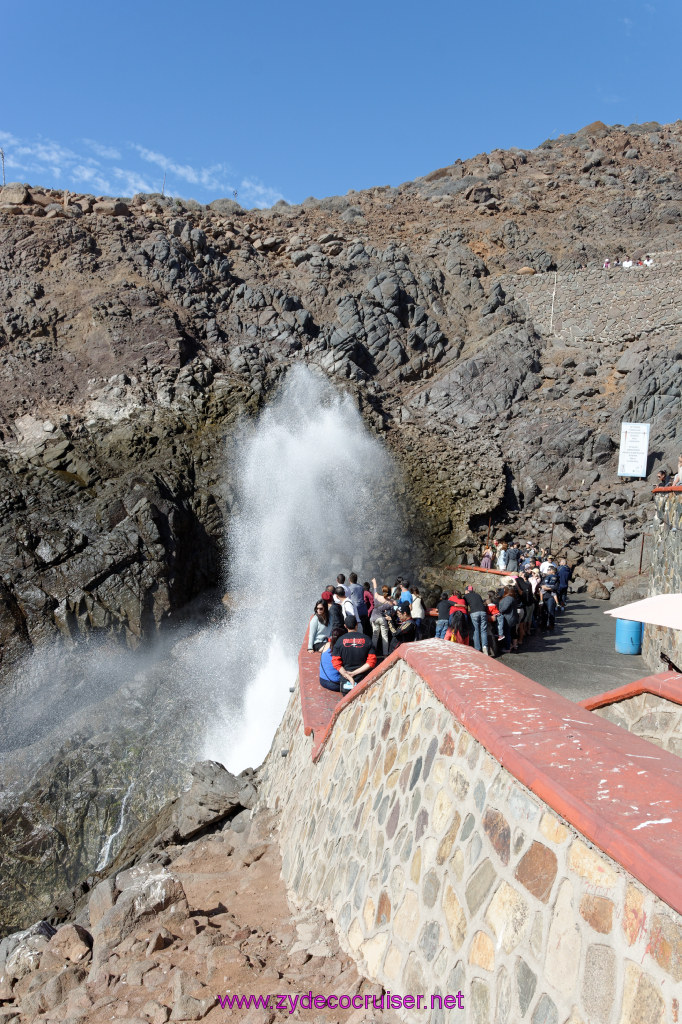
(621, 792)
(667, 490)
(665, 684)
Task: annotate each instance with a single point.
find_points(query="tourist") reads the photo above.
(330, 678)
(547, 609)
(405, 596)
(405, 632)
(677, 479)
(356, 595)
(564, 573)
(478, 613)
(663, 478)
(347, 609)
(382, 605)
(494, 626)
(369, 599)
(334, 610)
(648, 262)
(526, 606)
(340, 581)
(353, 655)
(444, 610)
(508, 618)
(320, 629)
(418, 612)
(487, 559)
(458, 624)
(607, 264)
(513, 555)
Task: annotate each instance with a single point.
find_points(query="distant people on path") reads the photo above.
(487, 559)
(564, 573)
(677, 479)
(501, 561)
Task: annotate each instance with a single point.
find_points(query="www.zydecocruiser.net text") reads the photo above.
(388, 1001)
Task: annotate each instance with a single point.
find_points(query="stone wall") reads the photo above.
(650, 716)
(604, 304)
(444, 874)
(665, 576)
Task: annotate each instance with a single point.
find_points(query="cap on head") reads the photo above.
(326, 596)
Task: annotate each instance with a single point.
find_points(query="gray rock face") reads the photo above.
(610, 534)
(499, 391)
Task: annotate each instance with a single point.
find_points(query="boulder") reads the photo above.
(154, 894)
(214, 794)
(14, 194)
(609, 534)
(597, 590)
(71, 942)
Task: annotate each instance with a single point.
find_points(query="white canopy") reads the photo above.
(661, 610)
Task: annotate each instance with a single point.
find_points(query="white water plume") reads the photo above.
(314, 499)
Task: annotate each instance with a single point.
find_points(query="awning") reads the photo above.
(661, 610)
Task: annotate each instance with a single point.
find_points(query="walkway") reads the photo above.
(579, 658)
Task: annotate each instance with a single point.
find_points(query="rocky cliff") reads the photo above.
(135, 333)
(466, 312)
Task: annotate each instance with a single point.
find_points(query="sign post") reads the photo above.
(634, 449)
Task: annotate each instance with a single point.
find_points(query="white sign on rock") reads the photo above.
(634, 449)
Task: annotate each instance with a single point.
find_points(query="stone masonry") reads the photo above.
(603, 304)
(443, 874)
(665, 577)
(650, 716)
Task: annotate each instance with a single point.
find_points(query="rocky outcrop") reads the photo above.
(171, 934)
(135, 332)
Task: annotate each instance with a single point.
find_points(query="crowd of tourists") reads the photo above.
(355, 624)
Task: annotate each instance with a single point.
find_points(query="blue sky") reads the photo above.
(290, 100)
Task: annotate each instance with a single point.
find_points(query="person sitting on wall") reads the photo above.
(405, 632)
(319, 629)
(677, 479)
(353, 655)
(329, 676)
(662, 478)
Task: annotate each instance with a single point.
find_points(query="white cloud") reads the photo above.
(48, 162)
(256, 194)
(132, 181)
(90, 176)
(106, 152)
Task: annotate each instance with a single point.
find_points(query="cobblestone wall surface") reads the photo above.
(665, 577)
(443, 874)
(603, 304)
(650, 716)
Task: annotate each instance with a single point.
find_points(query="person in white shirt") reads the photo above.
(418, 612)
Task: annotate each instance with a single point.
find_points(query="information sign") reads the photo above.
(634, 449)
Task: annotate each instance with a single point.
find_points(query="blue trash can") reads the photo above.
(629, 636)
